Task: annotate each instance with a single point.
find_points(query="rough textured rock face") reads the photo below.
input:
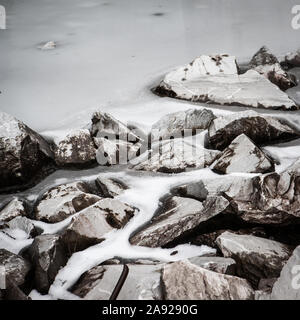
(13, 209)
(268, 65)
(110, 187)
(90, 226)
(256, 258)
(23, 153)
(21, 228)
(174, 156)
(259, 128)
(64, 200)
(216, 264)
(194, 82)
(173, 125)
(288, 285)
(16, 268)
(47, 256)
(77, 148)
(293, 59)
(274, 198)
(180, 215)
(142, 283)
(185, 281)
(242, 155)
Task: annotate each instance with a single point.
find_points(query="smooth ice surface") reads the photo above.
(109, 52)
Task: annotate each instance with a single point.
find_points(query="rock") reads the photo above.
(242, 155)
(268, 65)
(13, 209)
(77, 148)
(179, 216)
(24, 154)
(185, 281)
(288, 285)
(21, 228)
(256, 258)
(61, 201)
(90, 226)
(174, 156)
(111, 152)
(266, 285)
(177, 123)
(259, 128)
(16, 268)
(293, 59)
(110, 187)
(215, 79)
(216, 264)
(142, 283)
(47, 256)
(105, 125)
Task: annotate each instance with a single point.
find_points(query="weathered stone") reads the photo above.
(256, 258)
(16, 268)
(47, 256)
(288, 285)
(64, 200)
(23, 154)
(13, 209)
(215, 79)
(174, 156)
(216, 264)
(90, 226)
(242, 155)
(110, 187)
(263, 57)
(174, 124)
(179, 216)
(293, 59)
(77, 148)
(259, 128)
(21, 228)
(142, 283)
(185, 281)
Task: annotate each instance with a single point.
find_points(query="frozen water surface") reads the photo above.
(106, 56)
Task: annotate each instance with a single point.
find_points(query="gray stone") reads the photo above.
(185, 281)
(47, 256)
(259, 128)
(293, 59)
(216, 264)
(256, 258)
(110, 187)
(13, 209)
(242, 155)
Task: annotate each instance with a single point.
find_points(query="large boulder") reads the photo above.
(110, 187)
(143, 282)
(183, 122)
(256, 258)
(24, 154)
(215, 79)
(287, 287)
(242, 155)
(21, 228)
(16, 268)
(11, 210)
(183, 280)
(47, 255)
(259, 128)
(90, 226)
(178, 217)
(61, 201)
(268, 65)
(77, 148)
(174, 156)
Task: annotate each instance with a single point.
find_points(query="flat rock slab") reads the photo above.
(142, 283)
(215, 79)
(242, 155)
(185, 281)
(259, 128)
(257, 258)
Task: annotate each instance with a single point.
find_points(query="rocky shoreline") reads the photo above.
(216, 191)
